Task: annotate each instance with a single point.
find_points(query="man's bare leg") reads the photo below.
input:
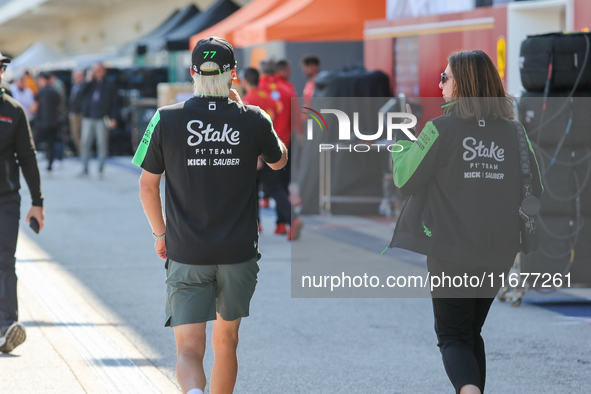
(225, 366)
(190, 348)
(469, 389)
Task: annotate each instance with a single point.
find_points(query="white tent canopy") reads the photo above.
(109, 59)
(38, 55)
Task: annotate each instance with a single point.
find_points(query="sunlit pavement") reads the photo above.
(91, 295)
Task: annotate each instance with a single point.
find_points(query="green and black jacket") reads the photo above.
(464, 182)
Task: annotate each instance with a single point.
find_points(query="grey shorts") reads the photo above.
(194, 293)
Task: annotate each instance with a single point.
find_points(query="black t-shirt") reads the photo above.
(209, 149)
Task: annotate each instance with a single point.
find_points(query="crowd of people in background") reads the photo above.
(68, 123)
(271, 90)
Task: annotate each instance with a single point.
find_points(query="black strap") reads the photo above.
(526, 175)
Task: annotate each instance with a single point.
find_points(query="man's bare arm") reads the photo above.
(281, 163)
(152, 203)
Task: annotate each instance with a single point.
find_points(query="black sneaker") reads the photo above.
(12, 336)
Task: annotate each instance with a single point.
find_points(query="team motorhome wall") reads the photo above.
(413, 51)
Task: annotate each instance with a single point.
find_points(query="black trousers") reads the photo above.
(273, 187)
(459, 321)
(285, 173)
(9, 217)
(49, 136)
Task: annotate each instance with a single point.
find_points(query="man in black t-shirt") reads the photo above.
(208, 146)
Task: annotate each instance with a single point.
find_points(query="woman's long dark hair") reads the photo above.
(479, 88)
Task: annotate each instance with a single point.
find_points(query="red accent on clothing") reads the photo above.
(261, 99)
(309, 91)
(282, 81)
(310, 87)
(280, 91)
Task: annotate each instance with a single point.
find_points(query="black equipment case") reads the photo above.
(569, 54)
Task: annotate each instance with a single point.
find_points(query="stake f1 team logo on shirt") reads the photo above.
(209, 134)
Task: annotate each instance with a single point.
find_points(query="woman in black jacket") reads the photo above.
(464, 182)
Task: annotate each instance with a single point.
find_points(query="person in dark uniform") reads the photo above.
(208, 146)
(17, 149)
(47, 109)
(75, 108)
(249, 80)
(464, 181)
(310, 67)
(98, 105)
(276, 183)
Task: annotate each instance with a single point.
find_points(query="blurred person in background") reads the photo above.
(75, 108)
(47, 109)
(17, 149)
(249, 80)
(283, 74)
(58, 85)
(99, 111)
(60, 141)
(30, 82)
(253, 95)
(89, 75)
(282, 94)
(286, 122)
(310, 67)
(293, 124)
(23, 95)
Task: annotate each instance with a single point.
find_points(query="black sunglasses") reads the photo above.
(444, 78)
(3, 68)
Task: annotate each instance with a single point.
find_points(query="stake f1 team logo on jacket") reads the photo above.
(209, 134)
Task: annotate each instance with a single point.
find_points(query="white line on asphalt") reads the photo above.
(117, 371)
